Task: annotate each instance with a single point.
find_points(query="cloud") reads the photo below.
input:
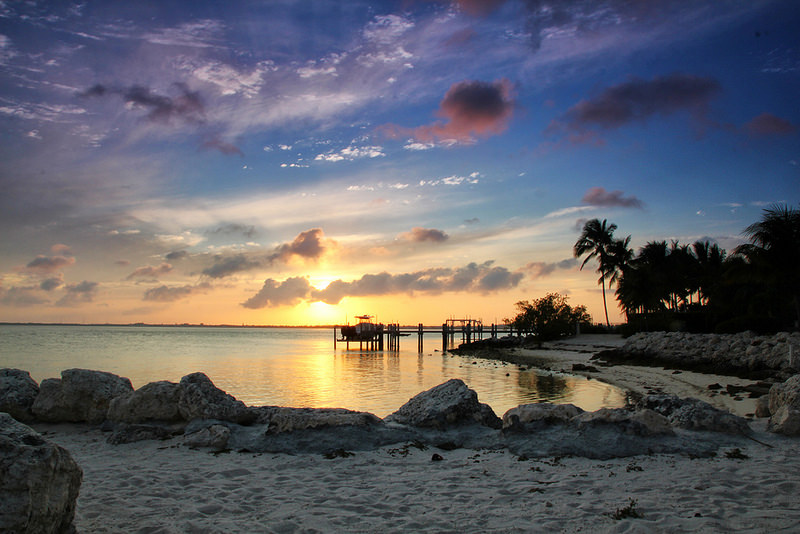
(80, 293)
(226, 266)
(308, 245)
(20, 297)
(538, 269)
(171, 294)
(420, 235)
(273, 293)
(597, 196)
(48, 264)
(637, 100)
(176, 255)
(149, 271)
(470, 109)
(351, 153)
(767, 124)
(215, 143)
(49, 284)
(248, 231)
(187, 106)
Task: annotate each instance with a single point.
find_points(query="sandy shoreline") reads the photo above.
(163, 486)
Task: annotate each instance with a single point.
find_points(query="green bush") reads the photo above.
(547, 318)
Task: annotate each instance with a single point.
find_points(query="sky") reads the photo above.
(296, 162)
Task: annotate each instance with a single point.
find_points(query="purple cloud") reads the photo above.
(171, 294)
(273, 293)
(186, 106)
(48, 264)
(80, 293)
(150, 271)
(767, 124)
(229, 149)
(598, 196)
(420, 235)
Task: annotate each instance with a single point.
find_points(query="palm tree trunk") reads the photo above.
(605, 308)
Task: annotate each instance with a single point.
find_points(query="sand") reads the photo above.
(163, 486)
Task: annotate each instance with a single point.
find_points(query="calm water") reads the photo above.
(288, 366)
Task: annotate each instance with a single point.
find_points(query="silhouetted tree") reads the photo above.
(549, 317)
(596, 241)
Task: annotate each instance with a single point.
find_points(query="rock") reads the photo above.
(531, 416)
(201, 399)
(17, 393)
(642, 422)
(212, 437)
(762, 407)
(282, 419)
(785, 421)
(132, 433)
(447, 404)
(694, 414)
(580, 367)
(156, 401)
(40, 481)
(784, 405)
(79, 396)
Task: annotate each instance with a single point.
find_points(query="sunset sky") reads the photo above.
(299, 162)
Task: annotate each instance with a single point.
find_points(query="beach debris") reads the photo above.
(628, 511)
(447, 404)
(156, 401)
(436, 457)
(201, 399)
(736, 454)
(337, 453)
(80, 395)
(694, 414)
(18, 391)
(40, 481)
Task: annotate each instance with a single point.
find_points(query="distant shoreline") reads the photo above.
(163, 325)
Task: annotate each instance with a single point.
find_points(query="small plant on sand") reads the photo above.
(627, 512)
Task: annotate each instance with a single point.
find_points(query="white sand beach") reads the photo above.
(164, 486)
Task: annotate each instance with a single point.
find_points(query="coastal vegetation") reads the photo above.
(547, 318)
(699, 287)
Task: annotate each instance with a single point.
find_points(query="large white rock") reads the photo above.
(784, 405)
(80, 395)
(446, 404)
(156, 401)
(201, 399)
(39, 482)
(282, 419)
(17, 393)
(642, 422)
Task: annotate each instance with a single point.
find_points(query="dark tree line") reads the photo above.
(698, 286)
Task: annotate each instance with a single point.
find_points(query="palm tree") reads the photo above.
(774, 251)
(596, 241)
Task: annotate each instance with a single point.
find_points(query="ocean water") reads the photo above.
(296, 367)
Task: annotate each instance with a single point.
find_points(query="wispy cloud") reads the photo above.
(174, 293)
(80, 293)
(150, 271)
(767, 125)
(186, 106)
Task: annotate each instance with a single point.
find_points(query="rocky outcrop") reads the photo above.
(211, 437)
(201, 399)
(642, 422)
(694, 414)
(784, 407)
(744, 354)
(444, 405)
(17, 393)
(132, 433)
(40, 481)
(279, 419)
(80, 395)
(156, 401)
(526, 417)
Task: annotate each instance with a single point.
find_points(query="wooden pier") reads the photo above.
(370, 336)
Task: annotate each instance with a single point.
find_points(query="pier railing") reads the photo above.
(452, 331)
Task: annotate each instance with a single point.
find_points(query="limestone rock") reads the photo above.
(156, 401)
(526, 416)
(784, 405)
(80, 395)
(762, 407)
(694, 414)
(213, 437)
(447, 404)
(40, 481)
(201, 399)
(17, 393)
(282, 419)
(642, 422)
